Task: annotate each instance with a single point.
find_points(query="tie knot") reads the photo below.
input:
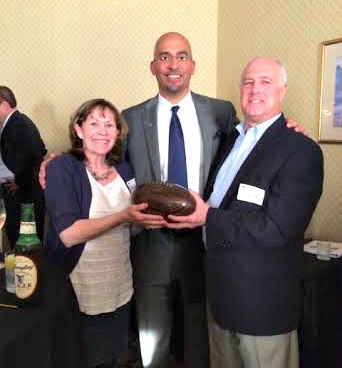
(174, 109)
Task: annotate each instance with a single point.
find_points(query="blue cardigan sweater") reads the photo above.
(68, 197)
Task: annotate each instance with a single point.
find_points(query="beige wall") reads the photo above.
(56, 54)
(291, 31)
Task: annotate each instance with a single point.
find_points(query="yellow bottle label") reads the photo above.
(25, 277)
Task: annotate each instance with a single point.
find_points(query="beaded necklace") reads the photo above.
(104, 176)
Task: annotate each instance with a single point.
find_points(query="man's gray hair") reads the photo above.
(283, 73)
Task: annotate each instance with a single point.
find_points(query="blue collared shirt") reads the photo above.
(243, 146)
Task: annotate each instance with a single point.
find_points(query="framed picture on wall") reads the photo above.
(330, 114)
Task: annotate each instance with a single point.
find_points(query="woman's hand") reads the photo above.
(133, 214)
(85, 229)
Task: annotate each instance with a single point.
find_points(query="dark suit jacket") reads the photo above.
(22, 151)
(152, 252)
(254, 251)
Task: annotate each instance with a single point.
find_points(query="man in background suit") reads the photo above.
(168, 265)
(22, 151)
(263, 188)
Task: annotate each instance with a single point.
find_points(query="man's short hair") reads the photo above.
(7, 95)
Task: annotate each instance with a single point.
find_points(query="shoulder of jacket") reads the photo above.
(66, 160)
(145, 104)
(212, 100)
(125, 170)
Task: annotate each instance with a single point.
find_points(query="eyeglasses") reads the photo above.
(166, 58)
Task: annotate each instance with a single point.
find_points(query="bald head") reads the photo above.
(173, 66)
(171, 37)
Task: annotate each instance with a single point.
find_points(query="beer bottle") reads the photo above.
(27, 258)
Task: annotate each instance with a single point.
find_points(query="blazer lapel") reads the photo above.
(209, 132)
(151, 135)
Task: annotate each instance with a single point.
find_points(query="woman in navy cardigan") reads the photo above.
(88, 197)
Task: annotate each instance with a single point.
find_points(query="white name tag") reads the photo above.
(251, 194)
(131, 185)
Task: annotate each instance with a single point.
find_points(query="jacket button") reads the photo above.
(221, 243)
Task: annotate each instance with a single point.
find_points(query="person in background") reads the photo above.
(263, 188)
(22, 151)
(88, 199)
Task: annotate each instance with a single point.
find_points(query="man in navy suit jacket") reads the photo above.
(263, 188)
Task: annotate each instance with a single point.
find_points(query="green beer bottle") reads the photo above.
(27, 258)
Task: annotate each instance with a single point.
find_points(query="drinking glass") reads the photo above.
(9, 271)
(323, 250)
(2, 213)
(2, 219)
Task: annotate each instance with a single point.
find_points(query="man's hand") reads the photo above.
(197, 218)
(11, 186)
(42, 169)
(292, 124)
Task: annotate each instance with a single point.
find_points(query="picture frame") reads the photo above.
(330, 112)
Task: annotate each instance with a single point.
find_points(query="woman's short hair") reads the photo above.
(80, 115)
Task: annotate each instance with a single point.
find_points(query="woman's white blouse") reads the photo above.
(102, 278)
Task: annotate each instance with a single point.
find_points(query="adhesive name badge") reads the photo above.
(131, 184)
(251, 194)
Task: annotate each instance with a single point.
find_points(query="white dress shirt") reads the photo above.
(192, 139)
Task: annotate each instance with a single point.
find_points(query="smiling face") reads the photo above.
(98, 132)
(173, 66)
(263, 87)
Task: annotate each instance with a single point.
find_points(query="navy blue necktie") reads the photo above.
(177, 160)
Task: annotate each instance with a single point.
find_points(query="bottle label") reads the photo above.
(27, 227)
(25, 277)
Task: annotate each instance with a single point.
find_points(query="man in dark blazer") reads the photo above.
(263, 188)
(22, 151)
(168, 265)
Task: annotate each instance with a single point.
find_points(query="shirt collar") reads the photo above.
(183, 103)
(259, 129)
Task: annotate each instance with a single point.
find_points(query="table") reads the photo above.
(320, 329)
(46, 335)
(43, 335)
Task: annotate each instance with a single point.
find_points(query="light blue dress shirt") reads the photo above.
(243, 146)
